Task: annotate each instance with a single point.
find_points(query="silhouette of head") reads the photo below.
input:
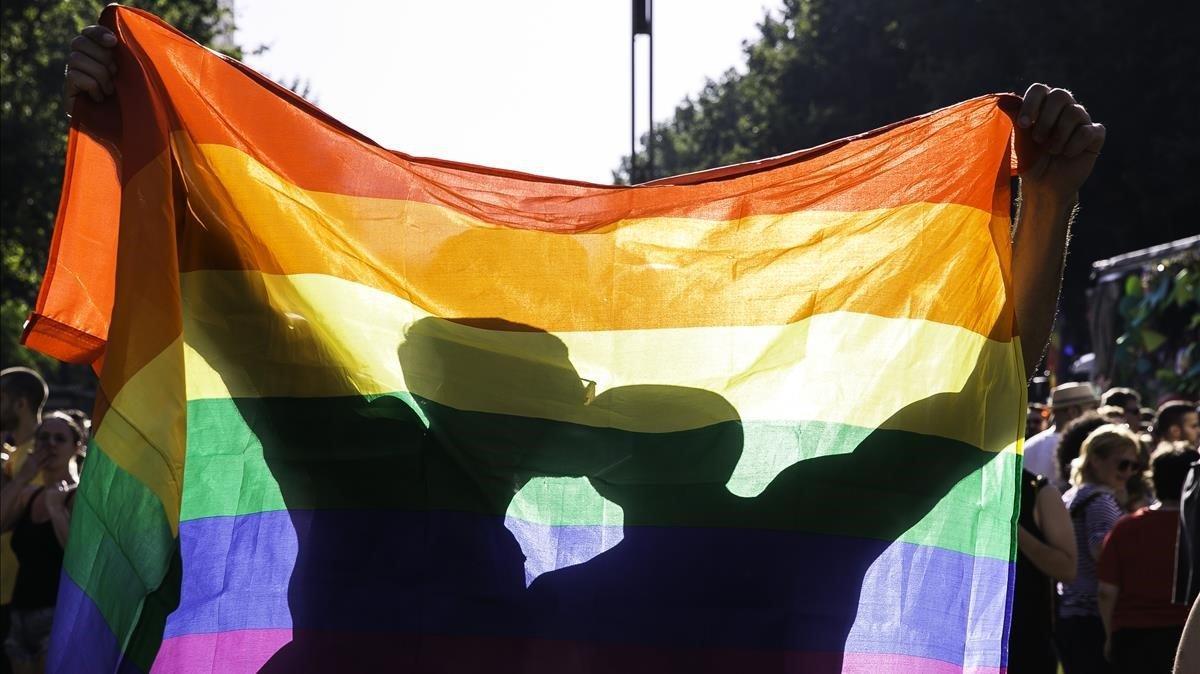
(501, 397)
(686, 438)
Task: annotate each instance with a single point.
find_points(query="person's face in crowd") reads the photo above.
(1035, 423)
(1133, 415)
(1065, 415)
(1188, 429)
(56, 442)
(1115, 470)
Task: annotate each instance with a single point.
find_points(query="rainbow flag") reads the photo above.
(366, 411)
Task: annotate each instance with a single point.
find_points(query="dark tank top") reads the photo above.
(40, 560)
(1030, 646)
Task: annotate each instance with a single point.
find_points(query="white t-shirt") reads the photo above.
(1039, 453)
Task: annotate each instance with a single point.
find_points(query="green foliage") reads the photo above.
(35, 38)
(1160, 314)
(825, 69)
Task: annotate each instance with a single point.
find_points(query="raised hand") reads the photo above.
(1060, 133)
(90, 66)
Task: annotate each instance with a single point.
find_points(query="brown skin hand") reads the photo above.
(1057, 147)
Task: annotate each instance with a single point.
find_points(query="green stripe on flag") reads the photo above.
(367, 453)
(120, 551)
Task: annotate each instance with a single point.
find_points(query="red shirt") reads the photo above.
(1139, 558)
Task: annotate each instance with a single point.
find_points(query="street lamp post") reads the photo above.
(643, 23)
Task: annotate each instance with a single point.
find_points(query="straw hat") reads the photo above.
(1073, 393)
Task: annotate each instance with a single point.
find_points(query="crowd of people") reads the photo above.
(1108, 564)
(43, 453)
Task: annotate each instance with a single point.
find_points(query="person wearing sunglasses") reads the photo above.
(40, 517)
(1108, 457)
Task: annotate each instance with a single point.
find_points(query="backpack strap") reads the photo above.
(1078, 506)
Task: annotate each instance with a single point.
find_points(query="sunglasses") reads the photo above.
(53, 437)
(1125, 465)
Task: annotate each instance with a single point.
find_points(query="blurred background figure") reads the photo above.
(1130, 402)
(1139, 491)
(1147, 420)
(23, 393)
(1067, 402)
(85, 426)
(1107, 459)
(1046, 554)
(1037, 419)
(1136, 573)
(1187, 571)
(1112, 414)
(1176, 421)
(39, 517)
(1070, 443)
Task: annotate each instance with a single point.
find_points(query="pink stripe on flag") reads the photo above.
(240, 652)
(887, 663)
(246, 651)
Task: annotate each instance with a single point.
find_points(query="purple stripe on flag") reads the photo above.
(81, 639)
(463, 574)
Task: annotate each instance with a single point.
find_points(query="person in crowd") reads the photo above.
(1136, 574)
(1112, 414)
(1147, 420)
(1121, 406)
(85, 424)
(1187, 572)
(1187, 565)
(1139, 490)
(1067, 402)
(1067, 451)
(39, 517)
(1130, 402)
(1107, 458)
(23, 394)
(1046, 553)
(1035, 422)
(82, 419)
(1177, 421)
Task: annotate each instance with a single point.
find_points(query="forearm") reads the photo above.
(1048, 559)
(1106, 599)
(1039, 253)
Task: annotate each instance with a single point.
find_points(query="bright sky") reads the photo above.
(534, 85)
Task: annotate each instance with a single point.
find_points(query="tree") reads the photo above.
(824, 69)
(34, 41)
